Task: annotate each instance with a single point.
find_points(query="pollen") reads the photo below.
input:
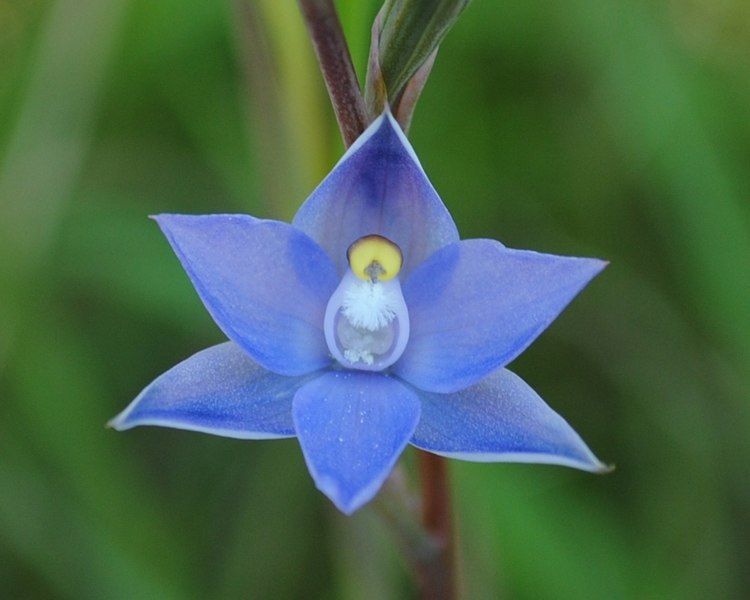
(375, 258)
(369, 305)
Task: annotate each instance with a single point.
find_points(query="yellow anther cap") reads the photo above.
(374, 257)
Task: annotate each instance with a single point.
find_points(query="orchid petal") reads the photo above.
(221, 391)
(265, 283)
(500, 419)
(378, 187)
(352, 428)
(476, 305)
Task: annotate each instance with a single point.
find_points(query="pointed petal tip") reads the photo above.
(117, 425)
(388, 116)
(593, 268)
(600, 264)
(161, 217)
(119, 421)
(346, 505)
(591, 464)
(345, 502)
(594, 265)
(352, 428)
(122, 421)
(396, 128)
(163, 220)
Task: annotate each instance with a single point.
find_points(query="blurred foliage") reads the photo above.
(611, 128)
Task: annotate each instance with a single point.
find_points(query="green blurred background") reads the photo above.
(610, 128)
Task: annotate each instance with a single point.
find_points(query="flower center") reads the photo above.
(366, 322)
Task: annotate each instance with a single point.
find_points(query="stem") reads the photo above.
(336, 64)
(399, 508)
(429, 549)
(437, 577)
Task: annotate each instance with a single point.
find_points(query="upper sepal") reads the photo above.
(378, 187)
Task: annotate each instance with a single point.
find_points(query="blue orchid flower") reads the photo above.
(367, 325)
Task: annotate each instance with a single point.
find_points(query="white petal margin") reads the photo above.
(500, 419)
(220, 391)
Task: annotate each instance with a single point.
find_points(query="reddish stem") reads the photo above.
(336, 64)
(438, 575)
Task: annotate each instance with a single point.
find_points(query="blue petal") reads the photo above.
(265, 283)
(352, 428)
(476, 305)
(500, 419)
(378, 187)
(221, 391)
